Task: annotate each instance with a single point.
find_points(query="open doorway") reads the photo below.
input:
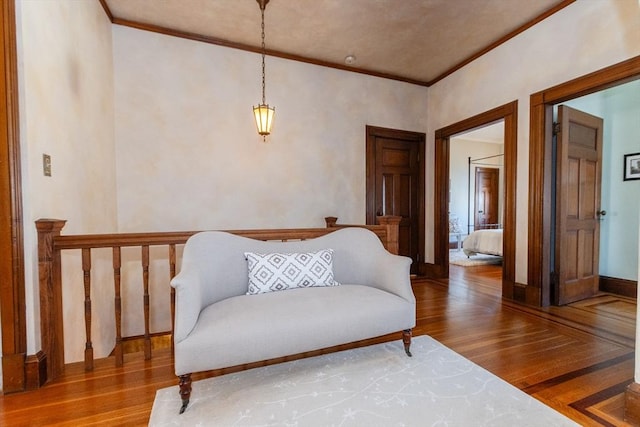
(539, 288)
(615, 252)
(476, 201)
(508, 115)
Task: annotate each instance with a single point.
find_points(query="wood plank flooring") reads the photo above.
(577, 359)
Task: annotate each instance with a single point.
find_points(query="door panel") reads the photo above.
(396, 167)
(405, 199)
(393, 183)
(579, 168)
(573, 187)
(387, 194)
(398, 157)
(588, 199)
(571, 260)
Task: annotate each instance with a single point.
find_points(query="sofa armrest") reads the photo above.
(393, 275)
(188, 303)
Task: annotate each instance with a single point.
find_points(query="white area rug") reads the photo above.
(459, 258)
(372, 386)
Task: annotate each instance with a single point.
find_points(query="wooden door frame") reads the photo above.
(12, 282)
(440, 267)
(419, 138)
(538, 289)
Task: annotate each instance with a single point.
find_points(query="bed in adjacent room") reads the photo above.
(483, 242)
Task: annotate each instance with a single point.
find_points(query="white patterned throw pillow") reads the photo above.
(282, 271)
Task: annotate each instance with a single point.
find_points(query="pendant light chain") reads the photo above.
(263, 53)
(263, 113)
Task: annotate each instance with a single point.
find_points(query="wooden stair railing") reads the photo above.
(390, 223)
(51, 244)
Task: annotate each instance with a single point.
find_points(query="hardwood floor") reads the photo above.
(577, 359)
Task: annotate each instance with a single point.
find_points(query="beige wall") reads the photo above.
(189, 156)
(584, 37)
(66, 110)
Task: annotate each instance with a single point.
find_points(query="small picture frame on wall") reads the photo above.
(631, 166)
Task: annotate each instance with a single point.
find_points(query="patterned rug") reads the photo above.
(459, 258)
(371, 386)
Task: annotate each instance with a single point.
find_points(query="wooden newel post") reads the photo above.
(50, 278)
(393, 230)
(391, 223)
(331, 221)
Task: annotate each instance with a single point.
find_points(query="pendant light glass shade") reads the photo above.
(264, 118)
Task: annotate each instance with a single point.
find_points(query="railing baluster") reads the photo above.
(145, 281)
(172, 274)
(86, 270)
(117, 264)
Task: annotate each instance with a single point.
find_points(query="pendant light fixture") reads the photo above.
(263, 113)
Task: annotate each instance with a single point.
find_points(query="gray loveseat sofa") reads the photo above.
(218, 325)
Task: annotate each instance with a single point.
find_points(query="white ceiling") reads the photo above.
(493, 133)
(415, 40)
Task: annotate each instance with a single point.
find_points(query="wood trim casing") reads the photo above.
(539, 250)
(440, 268)
(106, 9)
(36, 370)
(12, 293)
(339, 66)
(539, 280)
(624, 287)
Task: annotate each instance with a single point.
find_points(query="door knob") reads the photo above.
(601, 214)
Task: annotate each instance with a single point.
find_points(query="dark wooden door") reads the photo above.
(486, 198)
(578, 182)
(395, 185)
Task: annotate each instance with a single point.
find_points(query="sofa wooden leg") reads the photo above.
(185, 390)
(406, 340)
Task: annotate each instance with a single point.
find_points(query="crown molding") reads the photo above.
(279, 54)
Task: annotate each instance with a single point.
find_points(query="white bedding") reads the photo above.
(483, 242)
